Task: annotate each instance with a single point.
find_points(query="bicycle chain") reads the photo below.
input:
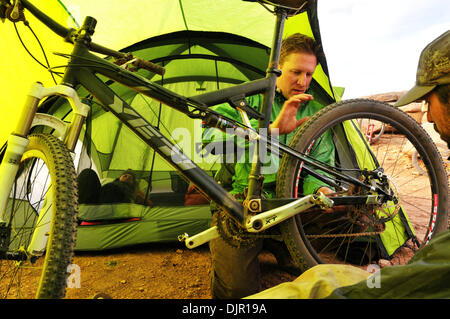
(344, 235)
(356, 221)
(236, 236)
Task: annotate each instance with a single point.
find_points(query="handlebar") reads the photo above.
(152, 67)
(70, 34)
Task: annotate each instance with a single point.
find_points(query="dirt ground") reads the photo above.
(160, 271)
(165, 271)
(171, 271)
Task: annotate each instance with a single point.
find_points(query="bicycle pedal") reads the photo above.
(200, 238)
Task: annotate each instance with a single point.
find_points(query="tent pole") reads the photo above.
(217, 74)
(150, 176)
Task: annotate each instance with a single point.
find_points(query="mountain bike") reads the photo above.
(38, 198)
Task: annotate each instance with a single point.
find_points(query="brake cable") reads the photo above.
(21, 17)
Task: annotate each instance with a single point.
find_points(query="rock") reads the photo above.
(415, 109)
(386, 97)
(384, 263)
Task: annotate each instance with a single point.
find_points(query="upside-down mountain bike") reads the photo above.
(375, 193)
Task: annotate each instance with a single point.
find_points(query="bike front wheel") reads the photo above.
(41, 217)
(362, 234)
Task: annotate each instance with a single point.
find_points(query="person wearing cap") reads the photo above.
(433, 84)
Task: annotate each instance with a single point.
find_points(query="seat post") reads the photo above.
(256, 179)
(273, 71)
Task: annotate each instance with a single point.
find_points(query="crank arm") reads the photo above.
(199, 239)
(275, 216)
(263, 221)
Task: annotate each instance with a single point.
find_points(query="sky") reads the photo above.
(374, 46)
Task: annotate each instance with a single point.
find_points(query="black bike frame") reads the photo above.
(84, 66)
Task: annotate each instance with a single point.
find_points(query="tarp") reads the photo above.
(424, 276)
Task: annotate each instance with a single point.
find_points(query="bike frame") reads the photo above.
(83, 68)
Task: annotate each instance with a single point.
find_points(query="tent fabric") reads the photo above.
(196, 62)
(125, 23)
(202, 52)
(425, 276)
(397, 231)
(246, 19)
(21, 220)
(111, 226)
(18, 69)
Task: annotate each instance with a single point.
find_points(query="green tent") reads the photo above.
(204, 46)
(18, 69)
(122, 24)
(201, 52)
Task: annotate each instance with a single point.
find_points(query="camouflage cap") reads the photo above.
(433, 69)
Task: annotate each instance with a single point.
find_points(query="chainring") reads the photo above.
(233, 234)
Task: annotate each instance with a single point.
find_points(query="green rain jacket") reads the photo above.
(324, 151)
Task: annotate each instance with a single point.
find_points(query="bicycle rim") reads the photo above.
(364, 234)
(43, 198)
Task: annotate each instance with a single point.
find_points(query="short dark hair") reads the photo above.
(300, 43)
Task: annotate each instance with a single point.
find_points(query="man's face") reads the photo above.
(297, 70)
(126, 178)
(439, 114)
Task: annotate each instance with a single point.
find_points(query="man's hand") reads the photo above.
(325, 190)
(286, 121)
(329, 192)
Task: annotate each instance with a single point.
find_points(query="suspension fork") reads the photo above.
(18, 141)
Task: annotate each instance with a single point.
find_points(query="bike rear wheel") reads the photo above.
(363, 234)
(42, 200)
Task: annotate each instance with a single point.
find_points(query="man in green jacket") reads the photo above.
(235, 271)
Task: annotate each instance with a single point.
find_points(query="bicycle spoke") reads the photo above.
(367, 232)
